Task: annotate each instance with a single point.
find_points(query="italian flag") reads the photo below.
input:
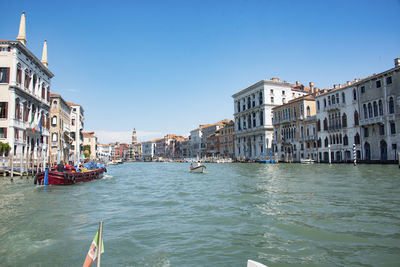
(93, 251)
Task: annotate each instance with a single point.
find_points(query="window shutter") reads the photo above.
(5, 132)
(8, 75)
(6, 111)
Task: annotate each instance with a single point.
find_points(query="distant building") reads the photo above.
(90, 140)
(61, 139)
(24, 97)
(253, 115)
(226, 145)
(104, 152)
(149, 149)
(198, 137)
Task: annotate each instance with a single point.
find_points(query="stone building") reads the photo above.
(253, 115)
(61, 140)
(89, 139)
(76, 126)
(379, 104)
(24, 97)
(295, 129)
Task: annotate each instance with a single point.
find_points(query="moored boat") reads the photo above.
(70, 175)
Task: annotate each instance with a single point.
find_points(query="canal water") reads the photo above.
(160, 214)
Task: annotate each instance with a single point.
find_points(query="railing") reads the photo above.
(373, 120)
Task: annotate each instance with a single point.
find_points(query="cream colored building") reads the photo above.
(60, 142)
(77, 124)
(89, 139)
(253, 115)
(295, 133)
(24, 97)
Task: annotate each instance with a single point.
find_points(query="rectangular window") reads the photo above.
(16, 134)
(389, 80)
(392, 128)
(3, 110)
(362, 89)
(381, 129)
(378, 84)
(272, 99)
(283, 92)
(19, 76)
(366, 133)
(4, 75)
(272, 91)
(3, 132)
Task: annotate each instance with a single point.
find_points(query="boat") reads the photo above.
(198, 169)
(70, 175)
(251, 263)
(307, 161)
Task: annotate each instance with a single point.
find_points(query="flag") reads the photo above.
(92, 254)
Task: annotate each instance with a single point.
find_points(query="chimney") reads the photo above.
(297, 83)
(275, 79)
(311, 87)
(335, 86)
(397, 62)
(348, 82)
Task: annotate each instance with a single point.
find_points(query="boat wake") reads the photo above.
(106, 176)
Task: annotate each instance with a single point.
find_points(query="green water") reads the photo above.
(160, 214)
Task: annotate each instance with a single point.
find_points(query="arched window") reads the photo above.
(345, 140)
(340, 138)
(380, 108)
(365, 111)
(370, 114)
(326, 141)
(318, 107)
(17, 109)
(354, 94)
(54, 137)
(324, 102)
(318, 125)
(343, 97)
(308, 111)
(319, 142)
(391, 105)
(355, 117)
(325, 124)
(375, 109)
(54, 121)
(357, 139)
(344, 120)
(330, 139)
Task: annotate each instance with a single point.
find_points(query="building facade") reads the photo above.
(379, 104)
(76, 125)
(24, 98)
(253, 115)
(295, 130)
(59, 129)
(90, 141)
(226, 144)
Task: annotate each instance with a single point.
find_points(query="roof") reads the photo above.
(88, 134)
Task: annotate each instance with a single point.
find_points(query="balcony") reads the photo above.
(310, 138)
(374, 120)
(333, 128)
(336, 106)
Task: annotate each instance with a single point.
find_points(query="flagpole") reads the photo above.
(100, 242)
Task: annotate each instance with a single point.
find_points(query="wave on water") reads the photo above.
(106, 176)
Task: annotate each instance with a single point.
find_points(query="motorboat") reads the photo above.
(198, 169)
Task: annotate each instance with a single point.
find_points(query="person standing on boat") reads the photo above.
(60, 167)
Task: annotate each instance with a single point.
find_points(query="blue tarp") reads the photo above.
(93, 165)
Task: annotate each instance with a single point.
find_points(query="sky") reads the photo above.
(165, 67)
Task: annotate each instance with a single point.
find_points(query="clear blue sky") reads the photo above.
(168, 66)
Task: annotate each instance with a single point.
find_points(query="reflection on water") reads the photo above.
(158, 214)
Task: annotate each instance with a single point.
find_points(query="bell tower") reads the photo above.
(134, 137)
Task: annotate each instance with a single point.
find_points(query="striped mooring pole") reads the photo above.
(355, 154)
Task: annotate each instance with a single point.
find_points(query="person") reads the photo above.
(60, 166)
(191, 165)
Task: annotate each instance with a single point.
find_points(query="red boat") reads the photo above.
(68, 177)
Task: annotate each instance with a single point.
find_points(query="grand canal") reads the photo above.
(160, 214)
